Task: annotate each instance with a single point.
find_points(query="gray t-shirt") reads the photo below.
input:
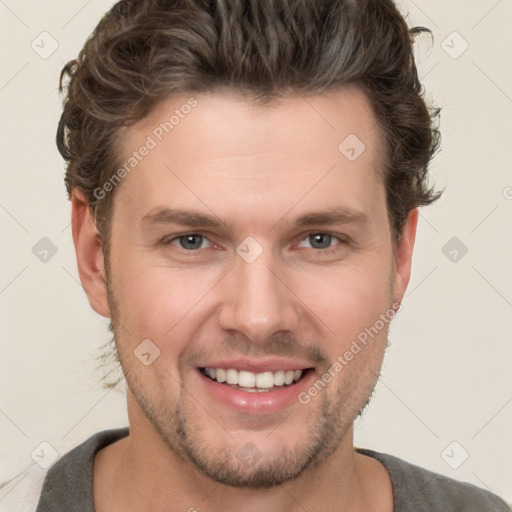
(68, 483)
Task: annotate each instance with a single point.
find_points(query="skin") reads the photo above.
(258, 168)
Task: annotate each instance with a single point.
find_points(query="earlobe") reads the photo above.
(403, 255)
(89, 253)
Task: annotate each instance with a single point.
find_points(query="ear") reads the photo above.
(89, 253)
(403, 255)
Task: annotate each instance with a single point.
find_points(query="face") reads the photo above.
(250, 249)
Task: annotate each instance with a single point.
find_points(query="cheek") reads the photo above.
(154, 299)
(349, 299)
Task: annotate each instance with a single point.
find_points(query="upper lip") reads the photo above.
(257, 365)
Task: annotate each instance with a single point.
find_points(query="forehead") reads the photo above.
(219, 149)
(232, 123)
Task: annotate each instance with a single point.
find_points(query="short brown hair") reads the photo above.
(142, 51)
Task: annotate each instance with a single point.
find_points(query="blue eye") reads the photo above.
(193, 242)
(322, 241)
(189, 241)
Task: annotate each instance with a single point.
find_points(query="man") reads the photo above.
(245, 180)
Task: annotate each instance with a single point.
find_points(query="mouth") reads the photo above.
(264, 386)
(251, 382)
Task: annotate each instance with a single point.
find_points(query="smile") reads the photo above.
(254, 382)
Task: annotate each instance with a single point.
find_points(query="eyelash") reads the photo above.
(194, 252)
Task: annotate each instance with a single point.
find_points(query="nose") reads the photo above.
(257, 300)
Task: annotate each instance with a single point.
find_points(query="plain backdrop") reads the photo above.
(445, 397)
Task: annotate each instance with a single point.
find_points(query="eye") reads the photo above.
(322, 241)
(187, 241)
(193, 242)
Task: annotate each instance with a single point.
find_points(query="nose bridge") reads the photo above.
(258, 302)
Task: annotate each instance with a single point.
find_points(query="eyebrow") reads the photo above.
(194, 219)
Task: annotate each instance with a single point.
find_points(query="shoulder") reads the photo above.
(69, 481)
(421, 490)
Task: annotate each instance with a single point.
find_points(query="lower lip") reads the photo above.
(264, 402)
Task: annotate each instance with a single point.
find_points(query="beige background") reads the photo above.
(447, 376)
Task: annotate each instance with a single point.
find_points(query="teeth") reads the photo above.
(279, 378)
(253, 381)
(265, 380)
(288, 377)
(231, 376)
(247, 379)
